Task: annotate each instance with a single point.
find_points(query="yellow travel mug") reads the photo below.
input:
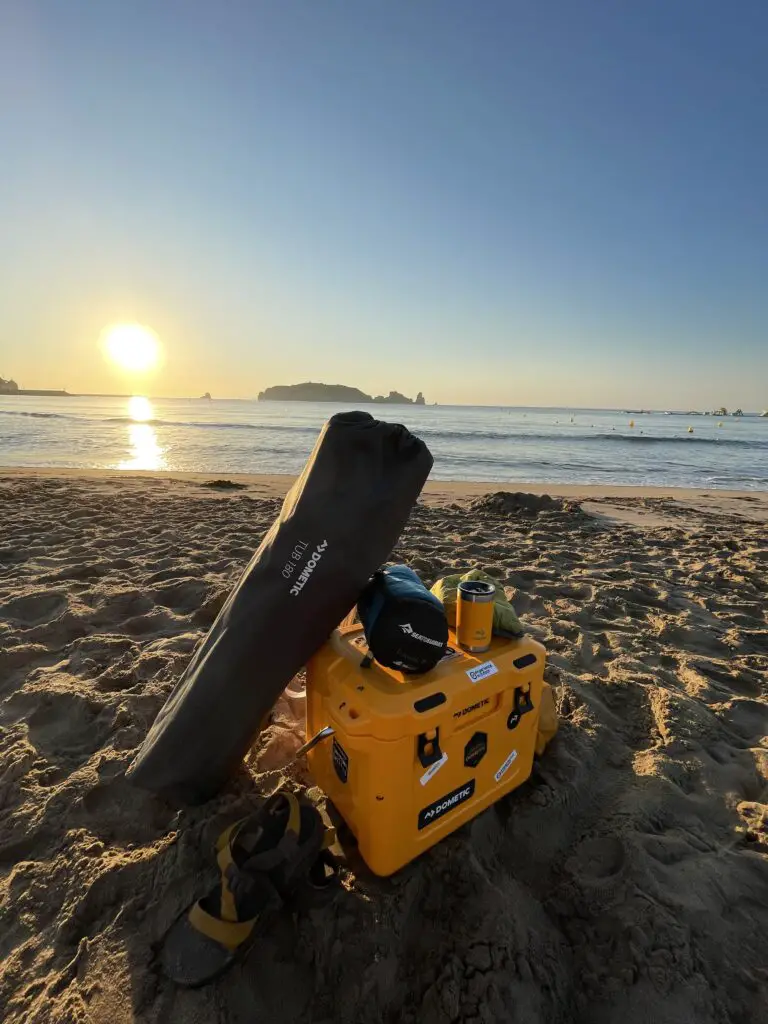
(474, 615)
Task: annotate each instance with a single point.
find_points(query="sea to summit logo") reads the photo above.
(308, 569)
(409, 630)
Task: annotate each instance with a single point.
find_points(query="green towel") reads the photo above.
(505, 620)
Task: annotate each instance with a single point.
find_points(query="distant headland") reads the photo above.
(310, 392)
(10, 387)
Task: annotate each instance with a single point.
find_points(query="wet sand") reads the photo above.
(627, 881)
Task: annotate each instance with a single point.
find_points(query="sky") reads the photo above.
(503, 202)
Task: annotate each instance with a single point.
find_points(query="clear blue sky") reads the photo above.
(510, 202)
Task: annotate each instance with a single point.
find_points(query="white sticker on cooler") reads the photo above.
(503, 770)
(482, 671)
(433, 770)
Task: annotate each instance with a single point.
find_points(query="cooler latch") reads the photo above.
(522, 704)
(429, 747)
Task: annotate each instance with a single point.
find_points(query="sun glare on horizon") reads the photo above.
(140, 409)
(132, 347)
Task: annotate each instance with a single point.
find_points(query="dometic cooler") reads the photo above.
(414, 757)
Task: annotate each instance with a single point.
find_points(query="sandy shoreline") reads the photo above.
(278, 484)
(627, 881)
(631, 504)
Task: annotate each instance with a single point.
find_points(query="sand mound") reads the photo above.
(224, 485)
(627, 881)
(511, 502)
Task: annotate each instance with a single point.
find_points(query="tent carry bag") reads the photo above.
(338, 524)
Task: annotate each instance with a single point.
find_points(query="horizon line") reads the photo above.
(63, 393)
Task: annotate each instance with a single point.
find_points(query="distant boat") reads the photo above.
(764, 414)
(737, 413)
(206, 397)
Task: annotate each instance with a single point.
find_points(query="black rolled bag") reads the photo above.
(338, 524)
(404, 622)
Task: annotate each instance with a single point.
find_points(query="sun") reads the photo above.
(132, 347)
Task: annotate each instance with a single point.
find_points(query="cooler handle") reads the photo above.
(324, 734)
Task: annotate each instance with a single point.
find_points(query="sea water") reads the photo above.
(508, 445)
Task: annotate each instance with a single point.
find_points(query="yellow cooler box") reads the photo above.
(414, 757)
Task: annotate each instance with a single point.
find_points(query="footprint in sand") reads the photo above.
(184, 596)
(32, 609)
(21, 656)
(117, 812)
(122, 605)
(667, 849)
(714, 684)
(628, 707)
(65, 724)
(598, 867)
(207, 612)
(157, 621)
(12, 556)
(749, 718)
(698, 641)
(754, 641)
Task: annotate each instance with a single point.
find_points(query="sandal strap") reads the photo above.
(270, 806)
(226, 863)
(285, 849)
(230, 934)
(293, 825)
(267, 859)
(226, 836)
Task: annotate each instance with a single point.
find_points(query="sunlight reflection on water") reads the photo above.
(145, 452)
(140, 409)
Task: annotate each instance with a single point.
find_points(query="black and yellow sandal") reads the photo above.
(277, 855)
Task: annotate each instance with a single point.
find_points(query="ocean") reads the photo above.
(507, 445)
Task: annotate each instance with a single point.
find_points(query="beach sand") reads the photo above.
(627, 881)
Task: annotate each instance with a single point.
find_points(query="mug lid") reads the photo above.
(477, 587)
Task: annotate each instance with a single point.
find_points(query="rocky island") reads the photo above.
(311, 392)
